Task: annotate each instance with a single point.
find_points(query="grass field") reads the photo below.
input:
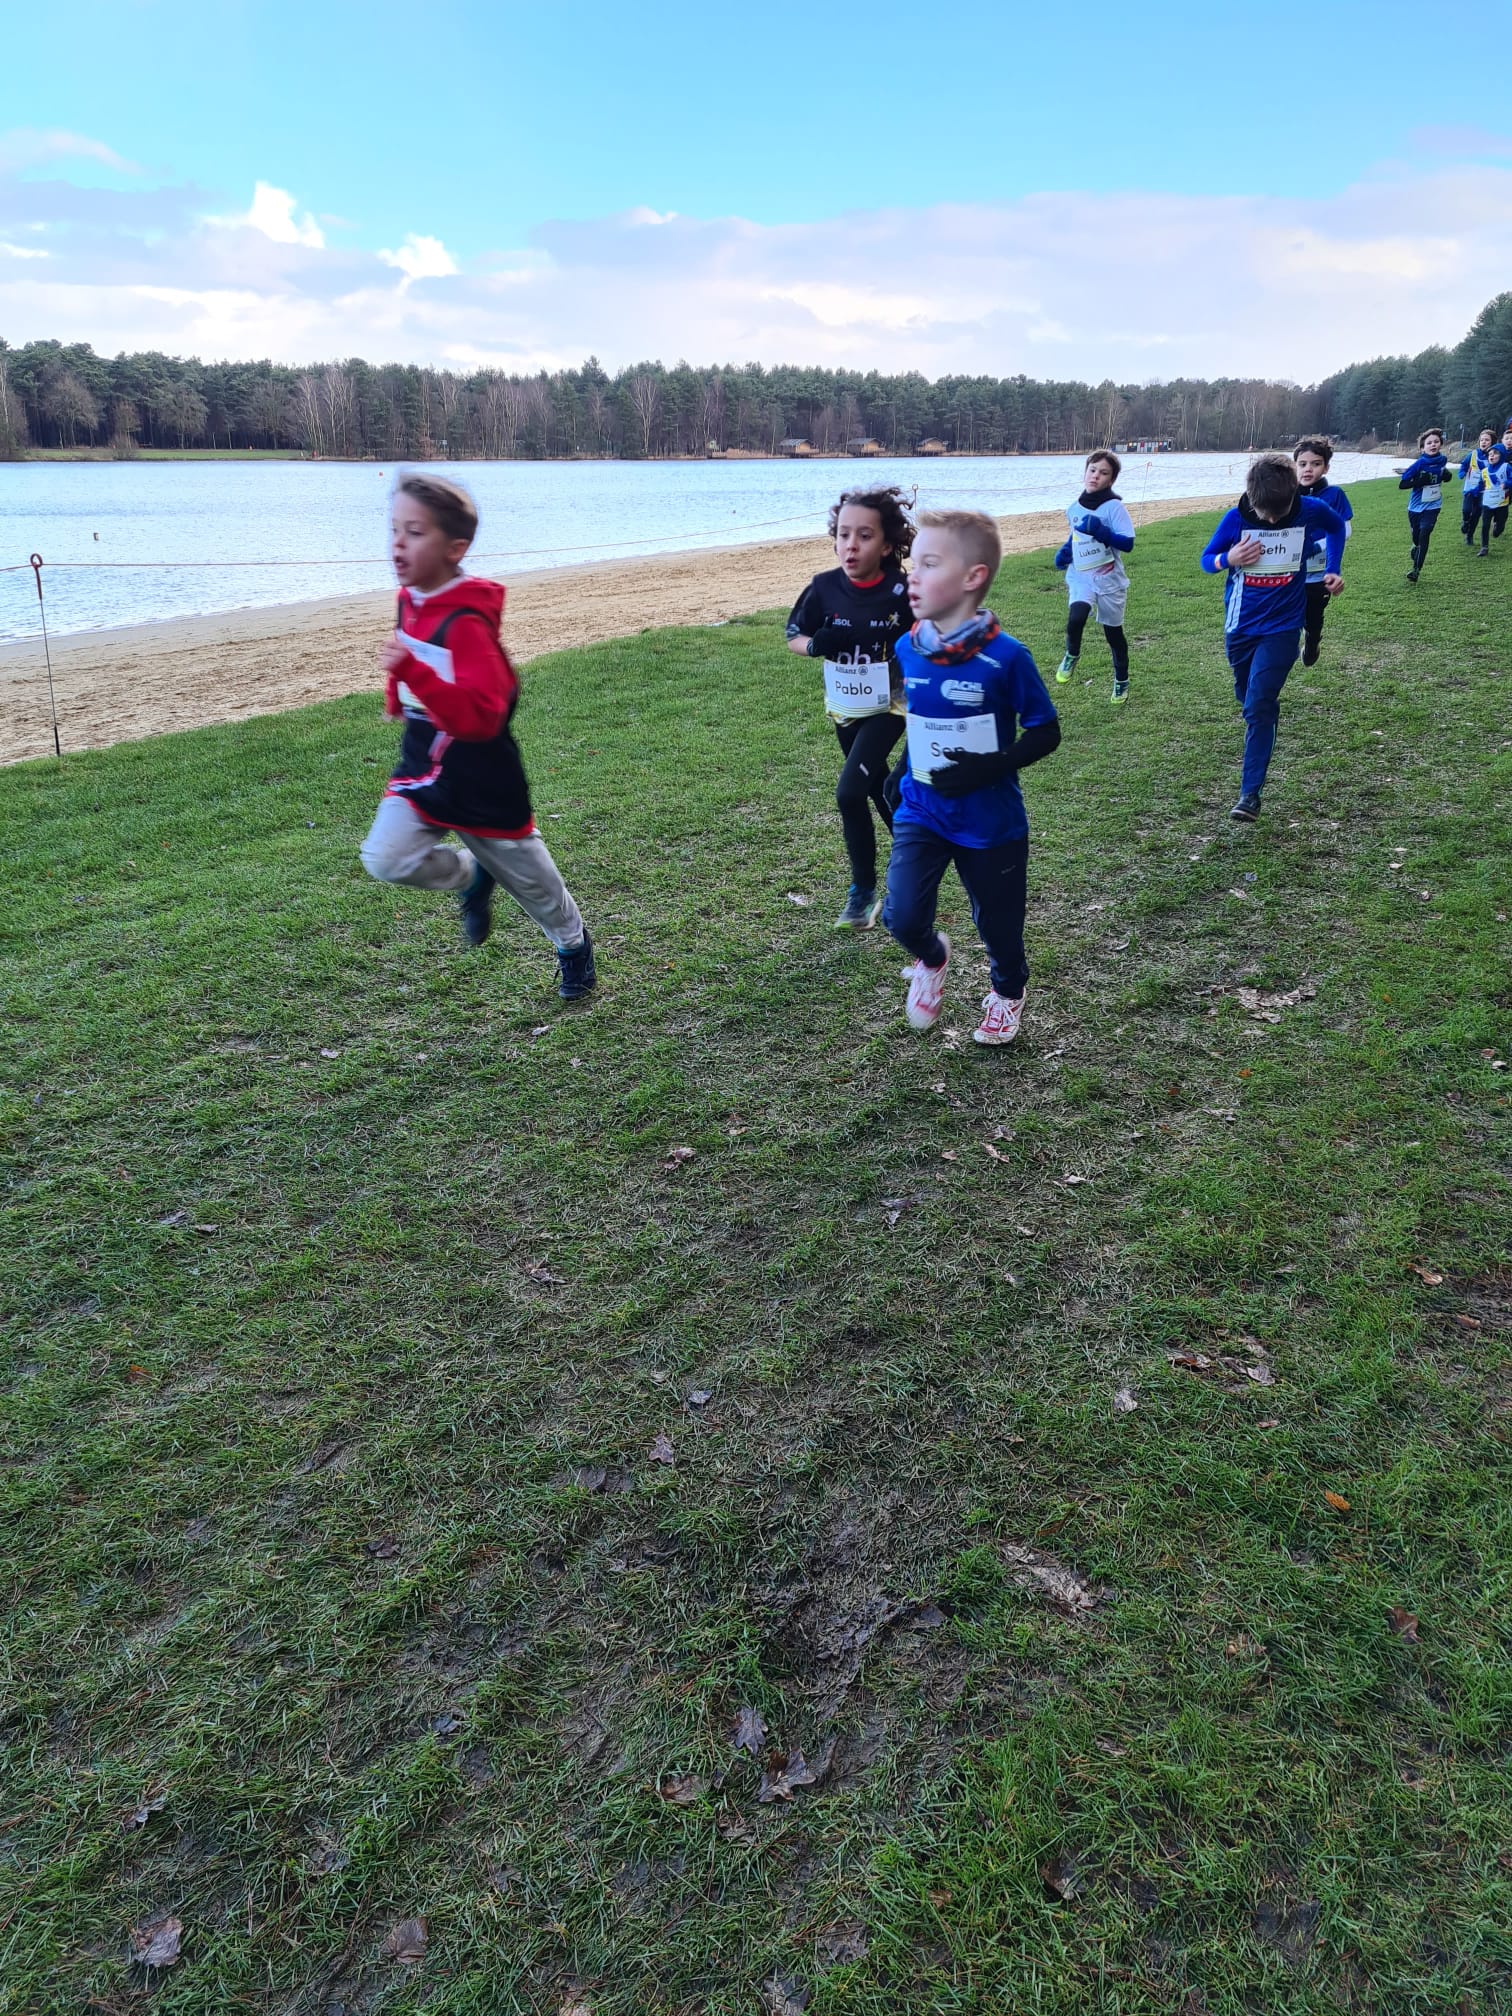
(349, 1283)
(168, 455)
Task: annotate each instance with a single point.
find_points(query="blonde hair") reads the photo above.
(975, 533)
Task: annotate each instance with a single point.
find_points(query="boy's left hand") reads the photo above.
(1334, 583)
(393, 657)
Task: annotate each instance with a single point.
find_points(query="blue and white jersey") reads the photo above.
(1473, 470)
(1270, 595)
(1425, 478)
(1331, 495)
(981, 704)
(1092, 557)
(1497, 487)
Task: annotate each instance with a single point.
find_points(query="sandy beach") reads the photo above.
(121, 685)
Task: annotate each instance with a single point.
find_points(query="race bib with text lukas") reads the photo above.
(929, 736)
(861, 686)
(1089, 555)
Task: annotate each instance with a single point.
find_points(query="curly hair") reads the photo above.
(891, 505)
(1314, 444)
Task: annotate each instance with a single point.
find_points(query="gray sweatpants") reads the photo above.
(401, 847)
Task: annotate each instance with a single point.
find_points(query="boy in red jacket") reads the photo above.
(459, 767)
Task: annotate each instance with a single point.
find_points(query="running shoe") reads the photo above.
(476, 905)
(1312, 650)
(1120, 692)
(926, 990)
(862, 909)
(1247, 811)
(1412, 574)
(1064, 670)
(579, 975)
(1000, 1018)
(1484, 553)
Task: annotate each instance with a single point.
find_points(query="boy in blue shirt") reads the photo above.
(1312, 456)
(1262, 548)
(978, 713)
(1472, 475)
(1425, 478)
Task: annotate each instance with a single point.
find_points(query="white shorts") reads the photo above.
(1108, 592)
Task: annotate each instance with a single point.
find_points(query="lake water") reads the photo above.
(157, 539)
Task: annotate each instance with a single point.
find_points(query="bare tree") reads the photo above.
(69, 404)
(643, 390)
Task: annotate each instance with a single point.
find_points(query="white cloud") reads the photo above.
(272, 213)
(22, 251)
(30, 146)
(420, 258)
(1066, 285)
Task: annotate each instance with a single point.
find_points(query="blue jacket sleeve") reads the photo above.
(1229, 529)
(1330, 524)
(1063, 558)
(1024, 691)
(1464, 468)
(1121, 542)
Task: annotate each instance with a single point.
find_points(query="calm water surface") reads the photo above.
(330, 519)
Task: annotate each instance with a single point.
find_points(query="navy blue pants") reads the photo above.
(996, 883)
(1422, 523)
(1493, 523)
(1470, 511)
(1260, 666)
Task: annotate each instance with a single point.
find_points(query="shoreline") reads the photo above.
(144, 679)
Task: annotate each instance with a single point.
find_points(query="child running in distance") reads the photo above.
(1425, 478)
(1101, 533)
(459, 766)
(852, 617)
(1262, 547)
(978, 713)
(1472, 475)
(1313, 456)
(1494, 495)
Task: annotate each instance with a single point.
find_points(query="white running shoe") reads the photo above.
(1000, 1019)
(926, 990)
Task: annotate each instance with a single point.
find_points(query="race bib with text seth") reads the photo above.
(1280, 549)
(929, 736)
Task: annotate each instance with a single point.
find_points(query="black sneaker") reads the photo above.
(1484, 553)
(579, 975)
(476, 904)
(1312, 650)
(1412, 573)
(1247, 811)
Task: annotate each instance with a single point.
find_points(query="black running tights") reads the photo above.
(1118, 643)
(867, 744)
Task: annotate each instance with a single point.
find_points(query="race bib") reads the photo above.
(1496, 494)
(930, 736)
(1317, 564)
(863, 686)
(1430, 497)
(1089, 554)
(1280, 548)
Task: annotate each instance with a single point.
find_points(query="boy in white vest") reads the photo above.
(1093, 559)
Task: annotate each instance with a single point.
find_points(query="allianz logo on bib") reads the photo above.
(962, 692)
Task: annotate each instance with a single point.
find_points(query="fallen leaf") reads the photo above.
(1060, 1879)
(661, 1450)
(675, 1157)
(1194, 1361)
(140, 1815)
(1071, 1182)
(803, 902)
(1262, 1375)
(1109, 1748)
(996, 1153)
(699, 1397)
(939, 1898)
(1267, 1424)
(539, 1271)
(207, 1230)
(1426, 1275)
(156, 1944)
(1124, 1401)
(590, 1478)
(330, 1053)
(1243, 1647)
(1339, 1504)
(384, 1548)
(947, 1155)
(750, 1731)
(407, 1942)
(174, 1218)
(732, 1826)
(1403, 1623)
(1468, 1322)
(839, 1945)
(781, 1997)
(446, 1725)
(683, 1791)
(896, 1206)
(783, 1777)
(575, 2006)
(541, 1029)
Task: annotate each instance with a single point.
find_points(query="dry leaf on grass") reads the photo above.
(1468, 1322)
(1267, 1007)
(575, 2006)
(1060, 1878)
(750, 1731)
(539, 1271)
(996, 1153)
(1268, 1424)
(700, 1397)
(661, 1450)
(207, 1231)
(1403, 1623)
(803, 902)
(781, 1997)
(683, 1791)
(896, 1206)
(384, 1548)
(1262, 1375)
(675, 1157)
(1045, 1576)
(157, 1943)
(784, 1775)
(140, 1815)
(330, 1053)
(839, 1945)
(1124, 1401)
(174, 1218)
(1333, 1498)
(1426, 1275)
(407, 1942)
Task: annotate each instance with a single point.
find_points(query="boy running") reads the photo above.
(1494, 495)
(1101, 533)
(1472, 475)
(978, 713)
(459, 766)
(1312, 457)
(1425, 478)
(1262, 548)
(852, 617)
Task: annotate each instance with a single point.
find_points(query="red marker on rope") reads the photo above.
(36, 567)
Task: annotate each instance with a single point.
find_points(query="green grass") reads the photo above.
(299, 1539)
(168, 455)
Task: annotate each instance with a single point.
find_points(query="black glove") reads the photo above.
(971, 770)
(829, 641)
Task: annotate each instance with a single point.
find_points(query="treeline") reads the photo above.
(64, 396)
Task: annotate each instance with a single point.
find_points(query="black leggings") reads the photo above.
(1470, 511)
(1118, 643)
(1423, 523)
(1493, 523)
(1317, 608)
(867, 745)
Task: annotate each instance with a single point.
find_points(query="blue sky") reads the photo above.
(937, 189)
